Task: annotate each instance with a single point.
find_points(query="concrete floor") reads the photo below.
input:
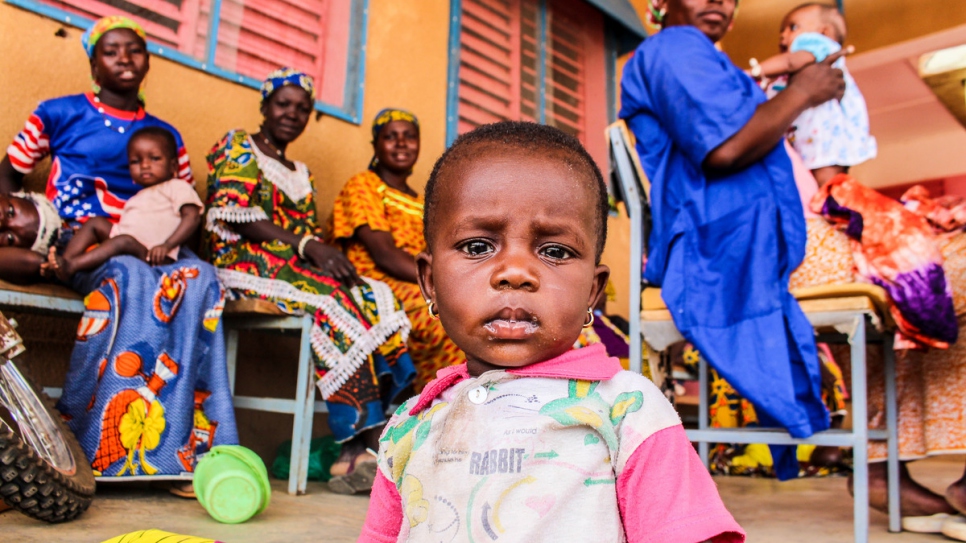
(805, 511)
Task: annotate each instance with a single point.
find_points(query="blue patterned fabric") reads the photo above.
(147, 391)
(287, 76)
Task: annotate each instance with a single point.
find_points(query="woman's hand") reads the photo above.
(820, 82)
(331, 260)
(811, 86)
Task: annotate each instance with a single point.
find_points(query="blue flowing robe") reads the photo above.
(724, 244)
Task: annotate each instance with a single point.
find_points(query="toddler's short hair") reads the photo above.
(527, 136)
(162, 134)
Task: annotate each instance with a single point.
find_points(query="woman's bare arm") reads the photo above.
(391, 259)
(321, 255)
(19, 265)
(813, 85)
(10, 179)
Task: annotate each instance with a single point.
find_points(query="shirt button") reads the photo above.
(478, 395)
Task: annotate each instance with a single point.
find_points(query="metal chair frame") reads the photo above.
(303, 407)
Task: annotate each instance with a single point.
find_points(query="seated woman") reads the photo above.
(378, 218)
(728, 222)
(147, 389)
(263, 239)
(931, 391)
(29, 226)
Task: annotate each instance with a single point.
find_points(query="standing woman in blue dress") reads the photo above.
(728, 221)
(147, 389)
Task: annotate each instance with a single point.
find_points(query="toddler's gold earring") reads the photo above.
(589, 323)
(430, 305)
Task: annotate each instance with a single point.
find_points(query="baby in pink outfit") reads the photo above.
(155, 222)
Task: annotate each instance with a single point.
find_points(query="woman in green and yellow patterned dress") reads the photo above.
(262, 235)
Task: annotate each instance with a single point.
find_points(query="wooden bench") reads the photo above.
(256, 314)
(239, 315)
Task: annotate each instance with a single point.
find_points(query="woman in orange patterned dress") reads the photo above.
(931, 383)
(378, 218)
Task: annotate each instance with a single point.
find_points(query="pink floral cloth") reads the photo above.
(898, 250)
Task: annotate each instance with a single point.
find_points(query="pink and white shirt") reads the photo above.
(568, 449)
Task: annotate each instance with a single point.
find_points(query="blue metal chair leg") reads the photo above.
(892, 434)
(231, 356)
(703, 446)
(860, 433)
(304, 413)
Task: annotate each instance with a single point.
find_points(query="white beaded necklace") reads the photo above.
(120, 129)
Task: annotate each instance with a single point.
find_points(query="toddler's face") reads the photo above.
(19, 222)
(512, 268)
(149, 162)
(797, 22)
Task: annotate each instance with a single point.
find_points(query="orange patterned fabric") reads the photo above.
(828, 258)
(931, 384)
(366, 200)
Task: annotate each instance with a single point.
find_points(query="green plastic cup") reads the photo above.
(231, 483)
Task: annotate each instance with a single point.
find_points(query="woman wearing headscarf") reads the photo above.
(147, 390)
(378, 219)
(263, 237)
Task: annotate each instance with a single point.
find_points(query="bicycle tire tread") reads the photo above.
(34, 487)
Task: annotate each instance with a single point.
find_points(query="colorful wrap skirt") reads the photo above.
(147, 390)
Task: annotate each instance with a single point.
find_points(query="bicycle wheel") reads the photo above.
(43, 470)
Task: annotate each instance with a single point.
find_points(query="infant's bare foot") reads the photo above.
(59, 266)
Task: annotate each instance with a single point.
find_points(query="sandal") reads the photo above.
(358, 479)
(955, 528)
(931, 524)
(186, 491)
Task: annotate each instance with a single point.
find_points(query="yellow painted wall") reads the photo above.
(406, 66)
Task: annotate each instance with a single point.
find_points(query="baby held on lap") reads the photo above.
(154, 223)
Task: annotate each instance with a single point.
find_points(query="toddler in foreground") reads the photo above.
(835, 135)
(154, 223)
(531, 440)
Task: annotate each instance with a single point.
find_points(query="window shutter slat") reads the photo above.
(258, 36)
(489, 72)
(164, 22)
(500, 75)
(565, 65)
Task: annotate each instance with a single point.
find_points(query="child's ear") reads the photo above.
(424, 275)
(601, 274)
